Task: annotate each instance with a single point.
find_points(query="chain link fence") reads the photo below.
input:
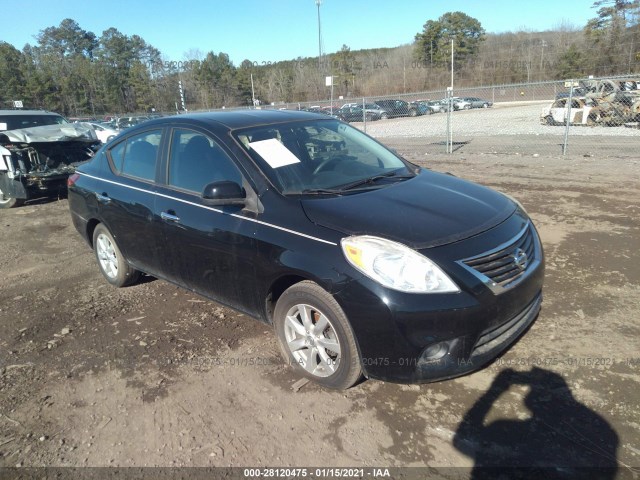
(524, 118)
(521, 118)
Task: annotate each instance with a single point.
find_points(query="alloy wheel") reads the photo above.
(107, 256)
(312, 340)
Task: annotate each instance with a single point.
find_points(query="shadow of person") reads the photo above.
(562, 438)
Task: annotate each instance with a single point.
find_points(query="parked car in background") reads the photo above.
(104, 131)
(376, 110)
(431, 107)
(82, 119)
(357, 114)
(422, 108)
(127, 122)
(314, 110)
(315, 228)
(398, 108)
(38, 152)
(438, 106)
(467, 103)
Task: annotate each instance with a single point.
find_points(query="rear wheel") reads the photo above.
(112, 263)
(485, 105)
(315, 336)
(7, 201)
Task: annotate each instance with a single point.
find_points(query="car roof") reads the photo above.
(28, 112)
(239, 118)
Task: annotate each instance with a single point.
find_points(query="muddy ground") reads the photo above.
(152, 375)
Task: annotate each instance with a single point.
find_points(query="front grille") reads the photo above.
(509, 262)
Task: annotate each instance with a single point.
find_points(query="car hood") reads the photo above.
(50, 133)
(429, 210)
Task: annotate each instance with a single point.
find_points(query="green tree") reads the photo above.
(614, 35)
(11, 77)
(571, 64)
(433, 44)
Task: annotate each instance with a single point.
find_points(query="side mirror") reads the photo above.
(224, 193)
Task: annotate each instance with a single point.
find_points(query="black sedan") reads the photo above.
(357, 114)
(363, 262)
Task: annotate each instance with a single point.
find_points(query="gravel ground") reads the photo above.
(500, 120)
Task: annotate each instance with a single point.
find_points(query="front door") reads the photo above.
(213, 248)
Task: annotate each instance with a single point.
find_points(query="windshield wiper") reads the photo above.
(373, 179)
(317, 191)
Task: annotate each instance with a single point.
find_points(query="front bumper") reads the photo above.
(411, 338)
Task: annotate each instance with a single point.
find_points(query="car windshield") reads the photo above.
(321, 157)
(16, 122)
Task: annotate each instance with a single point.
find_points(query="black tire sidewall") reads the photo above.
(312, 294)
(125, 273)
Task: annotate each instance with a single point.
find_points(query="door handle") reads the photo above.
(103, 198)
(169, 217)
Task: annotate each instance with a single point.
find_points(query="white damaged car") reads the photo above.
(582, 112)
(38, 152)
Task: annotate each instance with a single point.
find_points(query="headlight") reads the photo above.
(396, 266)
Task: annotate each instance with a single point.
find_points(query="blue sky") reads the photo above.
(273, 30)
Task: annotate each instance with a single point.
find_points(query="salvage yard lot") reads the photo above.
(154, 375)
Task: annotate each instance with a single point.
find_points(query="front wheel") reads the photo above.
(315, 336)
(112, 263)
(6, 201)
(413, 113)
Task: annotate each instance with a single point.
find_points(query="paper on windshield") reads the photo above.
(274, 153)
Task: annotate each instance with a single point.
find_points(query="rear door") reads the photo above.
(126, 200)
(212, 249)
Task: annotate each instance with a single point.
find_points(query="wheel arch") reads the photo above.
(275, 291)
(91, 227)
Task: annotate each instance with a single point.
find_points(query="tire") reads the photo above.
(549, 120)
(9, 202)
(112, 263)
(467, 107)
(485, 105)
(300, 308)
(384, 116)
(413, 113)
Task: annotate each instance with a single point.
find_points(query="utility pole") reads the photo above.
(452, 64)
(450, 109)
(544, 44)
(253, 93)
(318, 3)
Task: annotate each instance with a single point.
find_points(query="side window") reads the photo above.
(136, 155)
(196, 160)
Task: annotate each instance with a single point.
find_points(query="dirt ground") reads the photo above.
(152, 375)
